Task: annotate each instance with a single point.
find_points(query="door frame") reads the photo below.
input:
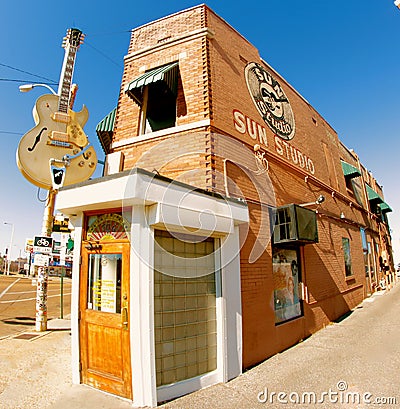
(119, 386)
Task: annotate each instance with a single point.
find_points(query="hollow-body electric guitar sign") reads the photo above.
(56, 151)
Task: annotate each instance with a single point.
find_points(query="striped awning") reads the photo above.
(105, 129)
(350, 171)
(107, 123)
(167, 74)
(372, 195)
(385, 208)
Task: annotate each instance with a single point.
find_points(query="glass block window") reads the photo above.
(185, 308)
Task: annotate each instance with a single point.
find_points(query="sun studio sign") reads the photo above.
(270, 100)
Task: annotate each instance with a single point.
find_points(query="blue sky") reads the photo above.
(343, 56)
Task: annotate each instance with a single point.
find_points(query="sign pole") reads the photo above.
(43, 271)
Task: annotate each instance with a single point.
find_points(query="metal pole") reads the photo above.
(9, 249)
(43, 273)
(62, 294)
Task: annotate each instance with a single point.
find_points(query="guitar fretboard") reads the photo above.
(66, 78)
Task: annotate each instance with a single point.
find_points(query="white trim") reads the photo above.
(162, 132)
(181, 388)
(230, 262)
(221, 315)
(77, 222)
(142, 311)
(144, 188)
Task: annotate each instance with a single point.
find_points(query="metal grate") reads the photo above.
(27, 336)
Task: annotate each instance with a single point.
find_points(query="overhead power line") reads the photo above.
(15, 80)
(103, 54)
(27, 72)
(12, 133)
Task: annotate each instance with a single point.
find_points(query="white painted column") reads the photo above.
(77, 222)
(142, 311)
(231, 294)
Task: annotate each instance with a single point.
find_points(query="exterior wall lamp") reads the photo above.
(320, 199)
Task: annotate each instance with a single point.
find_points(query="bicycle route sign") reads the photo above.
(42, 244)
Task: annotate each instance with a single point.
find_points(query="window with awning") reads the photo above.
(350, 171)
(372, 195)
(351, 174)
(155, 92)
(377, 204)
(385, 208)
(105, 130)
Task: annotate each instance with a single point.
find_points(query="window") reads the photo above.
(286, 277)
(347, 256)
(185, 292)
(351, 175)
(104, 276)
(155, 92)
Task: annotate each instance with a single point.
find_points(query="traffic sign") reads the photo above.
(42, 244)
(41, 260)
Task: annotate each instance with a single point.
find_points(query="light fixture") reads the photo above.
(29, 87)
(320, 199)
(93, 246)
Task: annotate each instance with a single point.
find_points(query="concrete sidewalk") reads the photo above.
(356, 358)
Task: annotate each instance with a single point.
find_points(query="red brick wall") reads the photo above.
(212, 57)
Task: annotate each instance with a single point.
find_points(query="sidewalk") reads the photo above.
(358, 355)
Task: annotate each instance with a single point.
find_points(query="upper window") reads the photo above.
(155, 92)
(351, 175)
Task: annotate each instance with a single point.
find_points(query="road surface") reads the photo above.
(18, 302)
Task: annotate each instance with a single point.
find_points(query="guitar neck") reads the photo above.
(64, 89)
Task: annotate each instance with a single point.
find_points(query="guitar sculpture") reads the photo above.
(57, 145)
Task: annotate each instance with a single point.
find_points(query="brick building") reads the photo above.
(230, 223)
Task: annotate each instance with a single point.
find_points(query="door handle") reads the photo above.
(124, 318)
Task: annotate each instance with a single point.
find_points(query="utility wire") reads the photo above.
(15, 80)
(12, 133)
(107, 33)
(26, 72)
(103, 54)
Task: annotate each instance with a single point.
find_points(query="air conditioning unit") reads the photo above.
(295, 224)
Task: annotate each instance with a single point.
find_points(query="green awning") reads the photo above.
(167, 75)
(385, 208)
(350, 171)
(107, 123)
(105, 129)
(372, 195)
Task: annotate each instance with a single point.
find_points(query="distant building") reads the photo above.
(230, 223)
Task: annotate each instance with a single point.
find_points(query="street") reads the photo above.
(18, 302)
(353, 363)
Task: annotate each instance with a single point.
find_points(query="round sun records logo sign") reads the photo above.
(270, 100)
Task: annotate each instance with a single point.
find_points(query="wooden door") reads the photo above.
(104, 320)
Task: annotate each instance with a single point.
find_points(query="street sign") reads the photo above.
(61, 225)
(28, 245)
(42, 244)
(41, 260)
